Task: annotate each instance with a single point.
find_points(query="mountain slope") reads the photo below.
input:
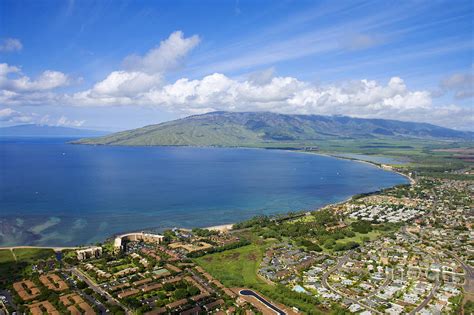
(31, 130)
(262, 128)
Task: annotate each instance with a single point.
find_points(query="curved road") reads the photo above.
(261, 299)
(326, 284)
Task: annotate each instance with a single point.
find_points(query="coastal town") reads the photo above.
(236, 157)
(403, 250)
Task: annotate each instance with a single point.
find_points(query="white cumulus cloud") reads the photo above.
(123, 83)
(167, 55)
(143, 74)
(142, 83)
(287, 95)
(11, 79)
(13, 116)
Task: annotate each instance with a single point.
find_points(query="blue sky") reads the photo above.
(115, 65)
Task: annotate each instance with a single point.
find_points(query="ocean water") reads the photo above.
(54, 193)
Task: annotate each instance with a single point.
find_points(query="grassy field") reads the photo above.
(236, 267)
(6, 256)
(29, 254)
(372, 235)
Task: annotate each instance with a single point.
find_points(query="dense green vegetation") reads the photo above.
(469, 307)
(314, 233)
(14, 267)
(204, 232)
(271, 130)
(363, 227)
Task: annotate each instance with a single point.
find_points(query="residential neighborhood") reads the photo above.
(404, 250)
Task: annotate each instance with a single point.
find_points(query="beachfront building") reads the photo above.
(91, 252)
(136, 237)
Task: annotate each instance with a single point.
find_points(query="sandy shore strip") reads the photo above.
(220, 228)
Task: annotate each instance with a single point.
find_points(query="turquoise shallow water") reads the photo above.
(53, 193)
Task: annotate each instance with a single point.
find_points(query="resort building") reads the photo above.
(90, 252)
(135, 237)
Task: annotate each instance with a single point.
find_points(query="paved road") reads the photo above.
(435, 288)
(380, 288)
(98, 289)
(92, 301)
(264, 301)
(469, 271)
(9, 298)
(427, 299)
(202, 282)
(326, 284)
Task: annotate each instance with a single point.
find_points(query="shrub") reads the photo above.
(346, 246)
(363, 227)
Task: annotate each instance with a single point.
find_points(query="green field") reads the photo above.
(236, 267)
(6, 256)
(31, 254)
(359, 237)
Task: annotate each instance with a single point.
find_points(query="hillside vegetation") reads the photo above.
(264, 129)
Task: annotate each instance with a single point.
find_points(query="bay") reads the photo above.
(57, 194)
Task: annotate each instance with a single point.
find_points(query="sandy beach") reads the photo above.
(221, 228)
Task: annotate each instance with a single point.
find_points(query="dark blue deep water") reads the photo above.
(54, 193)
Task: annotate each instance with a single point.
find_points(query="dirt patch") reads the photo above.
(252, 257)
(208, 258)
(233, 255)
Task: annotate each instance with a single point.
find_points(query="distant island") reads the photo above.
(272, 130)
(34, 130)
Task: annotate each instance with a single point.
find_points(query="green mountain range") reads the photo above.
(265, 129)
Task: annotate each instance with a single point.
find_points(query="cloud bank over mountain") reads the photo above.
(142, 82)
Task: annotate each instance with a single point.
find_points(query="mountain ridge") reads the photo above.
(249, 129)
(36, 130)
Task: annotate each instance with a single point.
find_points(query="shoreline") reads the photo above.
(228, 226)
(388, 168)
(382, 166)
